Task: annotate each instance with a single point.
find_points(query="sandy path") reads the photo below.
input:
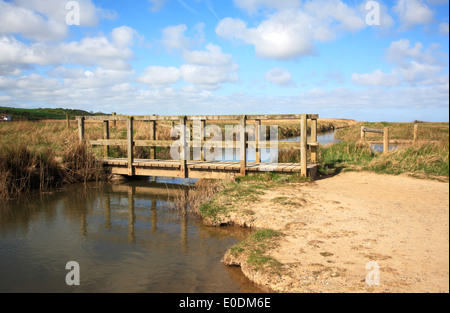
(335, 226)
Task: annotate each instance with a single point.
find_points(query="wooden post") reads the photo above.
(114, 115)
(81, 129)
(153, 137)
(416, 132)
(363, 134)
(183, 153)
(68, 120)
(257, 140)
(202, 139)
(243, 145)
(386, 140)
(106, 136)
(303, 146)
(314, 141)
(130, 145)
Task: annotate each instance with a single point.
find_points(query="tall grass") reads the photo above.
(422, 160)
(426, 158)
(22, 171)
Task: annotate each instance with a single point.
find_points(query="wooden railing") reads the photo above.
(183, 121)
(385, 133)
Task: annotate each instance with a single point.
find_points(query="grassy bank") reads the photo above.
(23, 170)
(428, 157)
(40, 156)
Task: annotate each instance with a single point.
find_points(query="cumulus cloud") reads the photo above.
(413, 65)
(413, 12)
(377, 78)
(100, 50)
(45, 20)
(292, 33)
(159, 76)
(210, 68)
(280, 77)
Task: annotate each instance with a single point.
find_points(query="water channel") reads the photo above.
(126, 237)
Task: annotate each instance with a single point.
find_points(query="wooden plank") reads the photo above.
(109, 142)
(368, 130)
(200, 117)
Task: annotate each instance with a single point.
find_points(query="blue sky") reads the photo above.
(363, 60)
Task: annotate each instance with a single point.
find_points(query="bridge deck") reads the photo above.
(199, 169)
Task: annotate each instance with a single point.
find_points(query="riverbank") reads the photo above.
(319, 236)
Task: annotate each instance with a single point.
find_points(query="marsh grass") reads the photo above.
(428, 157)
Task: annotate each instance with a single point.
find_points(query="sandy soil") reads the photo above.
(335, 226)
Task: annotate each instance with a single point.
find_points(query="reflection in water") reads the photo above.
(125, 238)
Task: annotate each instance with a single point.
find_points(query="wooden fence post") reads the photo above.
(363, 134)
(303, 146)
(314, 141)
(416, 132)
(183, 153)
(153, 137)
(106, 136)
(202, 139)
(114, 115)
(243, 145)
(130, 145)
(68, 120)
(81, 129)
(386, 140)
(257, 141)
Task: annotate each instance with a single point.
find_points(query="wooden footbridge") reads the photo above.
(248, 133)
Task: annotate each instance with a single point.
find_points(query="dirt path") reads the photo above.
(334, 227)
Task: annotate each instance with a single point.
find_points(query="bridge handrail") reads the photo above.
(242, 119)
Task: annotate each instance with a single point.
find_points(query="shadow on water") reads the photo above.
(123, 236)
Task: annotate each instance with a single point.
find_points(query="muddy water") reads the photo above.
(125, 237)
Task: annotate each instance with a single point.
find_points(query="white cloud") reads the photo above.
(444, 29)
(292, 33)
(400, 52)
(19, 20)
(377, 78)
(413, 12)
(45, 20)
(174, 37)
(212, 56)
(280, 77)
(413, 65)
(109, 53)
(159, 76)
(209, 69)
